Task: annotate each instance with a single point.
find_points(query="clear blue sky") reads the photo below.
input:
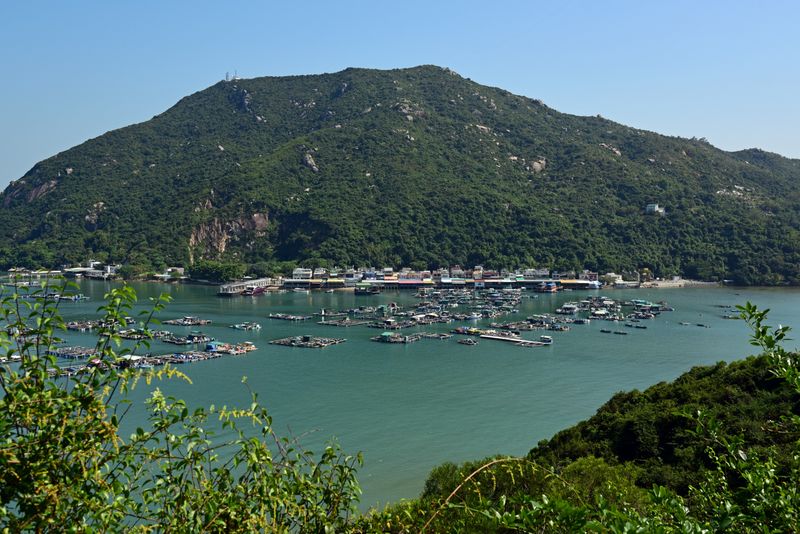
(725, 70)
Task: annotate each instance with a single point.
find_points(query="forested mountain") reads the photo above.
(415, 167)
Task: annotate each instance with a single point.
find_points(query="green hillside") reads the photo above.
(645, 458)
(413, 167)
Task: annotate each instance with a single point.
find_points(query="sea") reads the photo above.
(408, 408)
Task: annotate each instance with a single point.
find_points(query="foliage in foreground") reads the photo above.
(65, 466)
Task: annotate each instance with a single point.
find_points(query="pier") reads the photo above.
(236, 288)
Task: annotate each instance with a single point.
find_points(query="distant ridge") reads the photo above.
(413, 166)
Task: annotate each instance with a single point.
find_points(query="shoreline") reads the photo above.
(682, 283)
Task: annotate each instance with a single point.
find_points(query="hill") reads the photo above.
(413, 167)
(637, 441)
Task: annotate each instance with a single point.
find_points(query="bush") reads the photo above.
(64, 465)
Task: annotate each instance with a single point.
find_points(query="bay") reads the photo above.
(411, 407)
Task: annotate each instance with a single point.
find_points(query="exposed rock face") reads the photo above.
(213, 236)
(41, 190)
(308, 161)
(17, 190)
(94, 214)
(538, 165)
(409, 109)
(613, 149)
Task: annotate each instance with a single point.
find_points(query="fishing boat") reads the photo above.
(246, 326)
(367, 290)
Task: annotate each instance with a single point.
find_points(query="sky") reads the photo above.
(728, 71)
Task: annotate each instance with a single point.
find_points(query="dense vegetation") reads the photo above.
(415, 167)
(716, 450)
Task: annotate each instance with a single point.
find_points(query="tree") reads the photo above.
(63, 463)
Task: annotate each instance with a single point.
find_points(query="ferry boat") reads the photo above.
(549, 287)
(251, 291)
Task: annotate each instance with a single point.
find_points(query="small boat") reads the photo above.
(547, 340)
(620, 333)
(605, 331)
(367, 290)
(246, 326)
(300, 290)
(643, 327)
(468, 341)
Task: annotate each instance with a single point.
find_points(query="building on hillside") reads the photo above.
(655, 209)
(302, 273)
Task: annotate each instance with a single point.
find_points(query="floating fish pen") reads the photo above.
(193, 338)
(83, 326)
(346, 322)
(73, 353)
(147, 362)
(137, 334)
(327, 313)
(289, 317)
(307, 342)
(188, 321)
(435, 335)
(393, 337)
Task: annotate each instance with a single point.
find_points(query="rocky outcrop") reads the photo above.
(409, 110)
(41, 190)
(17, 190)
(308, 161)
(93, 215)
(538, 165)
(612, 149)
(212, 237)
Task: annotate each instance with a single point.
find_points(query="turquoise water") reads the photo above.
(411, 407)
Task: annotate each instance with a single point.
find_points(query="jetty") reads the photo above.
(251, 287)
